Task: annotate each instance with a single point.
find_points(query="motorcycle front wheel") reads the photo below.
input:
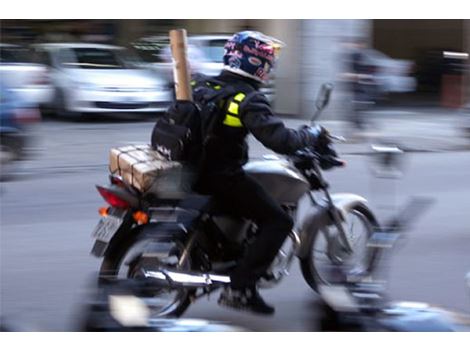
(150, 252)
(327, 261)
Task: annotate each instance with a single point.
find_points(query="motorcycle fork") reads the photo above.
(290, 255)
(333, 212)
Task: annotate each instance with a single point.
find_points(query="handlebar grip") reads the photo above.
(338, 162)
(328, 162)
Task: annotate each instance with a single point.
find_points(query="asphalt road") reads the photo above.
(49, 211)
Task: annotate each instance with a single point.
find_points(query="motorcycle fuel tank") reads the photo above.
(282, 181)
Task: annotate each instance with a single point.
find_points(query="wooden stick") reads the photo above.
(179, 49)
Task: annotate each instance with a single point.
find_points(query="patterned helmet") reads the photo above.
(251, 54)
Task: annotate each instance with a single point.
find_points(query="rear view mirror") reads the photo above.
(324, 96)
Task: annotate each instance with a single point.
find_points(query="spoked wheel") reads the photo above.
(150, 254)
(327, 261)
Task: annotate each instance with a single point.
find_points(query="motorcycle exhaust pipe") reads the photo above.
(186, 279)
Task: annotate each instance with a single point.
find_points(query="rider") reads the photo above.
(248, 59)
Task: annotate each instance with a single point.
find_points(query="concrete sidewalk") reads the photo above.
(414, 130)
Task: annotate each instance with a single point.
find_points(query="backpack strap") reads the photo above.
(216, 101)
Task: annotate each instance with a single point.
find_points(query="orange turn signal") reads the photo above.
(140, 217)
(103, 211)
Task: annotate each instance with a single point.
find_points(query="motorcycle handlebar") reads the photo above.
(309, 154)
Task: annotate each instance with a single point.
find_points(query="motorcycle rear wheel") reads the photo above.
(126, 261)
(325, 267)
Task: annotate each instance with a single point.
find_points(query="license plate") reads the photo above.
(108, 225)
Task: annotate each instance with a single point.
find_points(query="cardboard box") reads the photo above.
(147, 170)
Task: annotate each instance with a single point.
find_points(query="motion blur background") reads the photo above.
(72, 89)
(313, 55)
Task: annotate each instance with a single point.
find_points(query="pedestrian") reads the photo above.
(359, 82)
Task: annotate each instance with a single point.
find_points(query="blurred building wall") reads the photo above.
(407, 39)
(288, 70)
(214, 26)
(322, 61)
(129, 30)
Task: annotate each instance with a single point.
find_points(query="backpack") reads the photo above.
(180, 135)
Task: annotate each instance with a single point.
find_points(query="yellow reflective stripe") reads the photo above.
(233, 108)
(193, 83)
(232, 121)
(231, 118)
(239, 97)
(217, 87)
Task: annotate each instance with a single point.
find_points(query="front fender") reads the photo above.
(320, 217)
(344, 202)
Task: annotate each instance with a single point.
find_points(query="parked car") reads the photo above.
(97, 78)
(29, 80)
(205, 54)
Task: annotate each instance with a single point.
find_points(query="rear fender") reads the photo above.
(161, 231)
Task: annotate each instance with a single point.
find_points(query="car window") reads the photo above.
(14, 55)
(213, 50)
(154, 52)
(95, 58)
(41, 57)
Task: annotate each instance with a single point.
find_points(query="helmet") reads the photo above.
(251, 54)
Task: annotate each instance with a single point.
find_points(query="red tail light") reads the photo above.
(112, 199)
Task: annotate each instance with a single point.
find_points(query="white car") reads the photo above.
(29, 81)
(96, 78)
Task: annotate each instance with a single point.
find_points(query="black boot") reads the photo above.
(247, 298)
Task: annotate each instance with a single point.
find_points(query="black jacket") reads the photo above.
(227, 151)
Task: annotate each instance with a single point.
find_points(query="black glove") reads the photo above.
(324, 147)
(318, 135)
(329, 158)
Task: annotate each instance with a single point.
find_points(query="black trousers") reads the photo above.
(242, 196)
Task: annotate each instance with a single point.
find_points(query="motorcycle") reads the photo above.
(185, 247)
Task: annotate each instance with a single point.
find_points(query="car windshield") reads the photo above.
(98, 58)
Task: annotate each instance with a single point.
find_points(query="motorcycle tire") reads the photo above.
(117, 259)
(310, 268)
